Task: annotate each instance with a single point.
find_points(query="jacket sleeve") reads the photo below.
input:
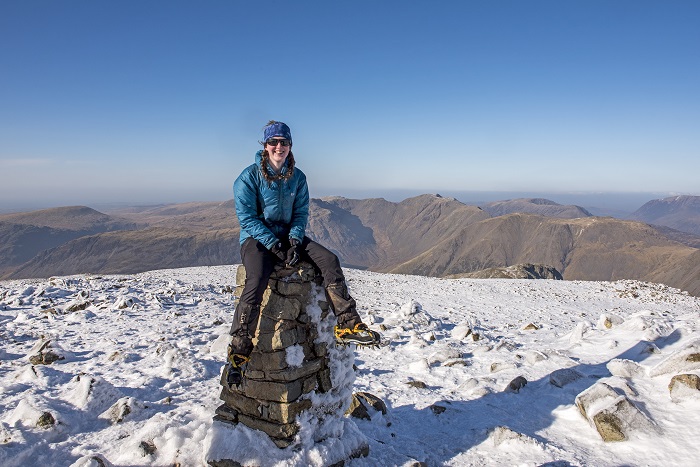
(300, 213)
(245, 192)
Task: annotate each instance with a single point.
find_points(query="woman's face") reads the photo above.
(278, 154)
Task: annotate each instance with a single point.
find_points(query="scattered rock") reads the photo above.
(43, 353)
(357, 409)
(516, 385)
(607, 321)
(625, 368)
(123, 302)
(686, 359)
(612, 414)
(564, 376)
(461, 331)
(46, 421)
(77, 305)
(500, 366)
(533, 356)
(120, 409)
(417, 384)
(370, 400)
(147, 448)
(684, 386)
(501, 434)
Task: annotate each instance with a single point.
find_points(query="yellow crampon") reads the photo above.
(237, 360)
(360, 335)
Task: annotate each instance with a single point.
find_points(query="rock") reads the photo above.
(147, 448)
(608, 321)
(357, 409)
(77, 305)
(684, 386)
(437, 409)
(43, 353)
(417, 384)
(123, 303)
(612, 414)
(46, 420)
(564, 376)
(461, 331)
(500, 366)
(530, 327)
(516, 385)
(625, 368)
(684, 360)
(502, 434)
(533, 356)
(362, 403)
(121, 409)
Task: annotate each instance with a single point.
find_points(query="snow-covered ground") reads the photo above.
(156, 341)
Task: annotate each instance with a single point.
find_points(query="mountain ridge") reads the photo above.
(425, 235)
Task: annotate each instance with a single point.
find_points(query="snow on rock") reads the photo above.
(686, 359)
(92, 393)
(164, 354)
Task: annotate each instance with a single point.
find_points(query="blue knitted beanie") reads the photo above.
(278, 129)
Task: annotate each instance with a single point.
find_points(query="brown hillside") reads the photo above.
(590, 248)
(406, 229)
(135, 251)
(684, 274)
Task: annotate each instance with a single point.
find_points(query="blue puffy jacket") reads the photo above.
(271, 211)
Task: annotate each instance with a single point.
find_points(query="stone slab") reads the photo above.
(273, 430)
(278, 412)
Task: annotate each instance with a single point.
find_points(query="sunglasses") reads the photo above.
(275, 142)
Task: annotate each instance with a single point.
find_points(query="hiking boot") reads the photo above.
(234, 376)
(360, 335)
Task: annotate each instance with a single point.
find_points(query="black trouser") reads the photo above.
(259, 262)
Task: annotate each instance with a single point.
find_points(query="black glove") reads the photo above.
(294, 252)
(278, 251)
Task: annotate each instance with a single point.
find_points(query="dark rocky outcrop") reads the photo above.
(517, 271)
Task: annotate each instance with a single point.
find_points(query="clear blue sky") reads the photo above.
(153, 101)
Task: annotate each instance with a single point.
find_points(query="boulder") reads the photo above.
(613, 415)
(685, 386)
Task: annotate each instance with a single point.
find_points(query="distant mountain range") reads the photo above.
(543, 207)
(426, 235)
(678, 212)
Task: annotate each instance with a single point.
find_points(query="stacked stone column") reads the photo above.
(277, 379)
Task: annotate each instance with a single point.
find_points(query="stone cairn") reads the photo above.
(290, 362)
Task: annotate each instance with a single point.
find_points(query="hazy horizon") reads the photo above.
(619, 203)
